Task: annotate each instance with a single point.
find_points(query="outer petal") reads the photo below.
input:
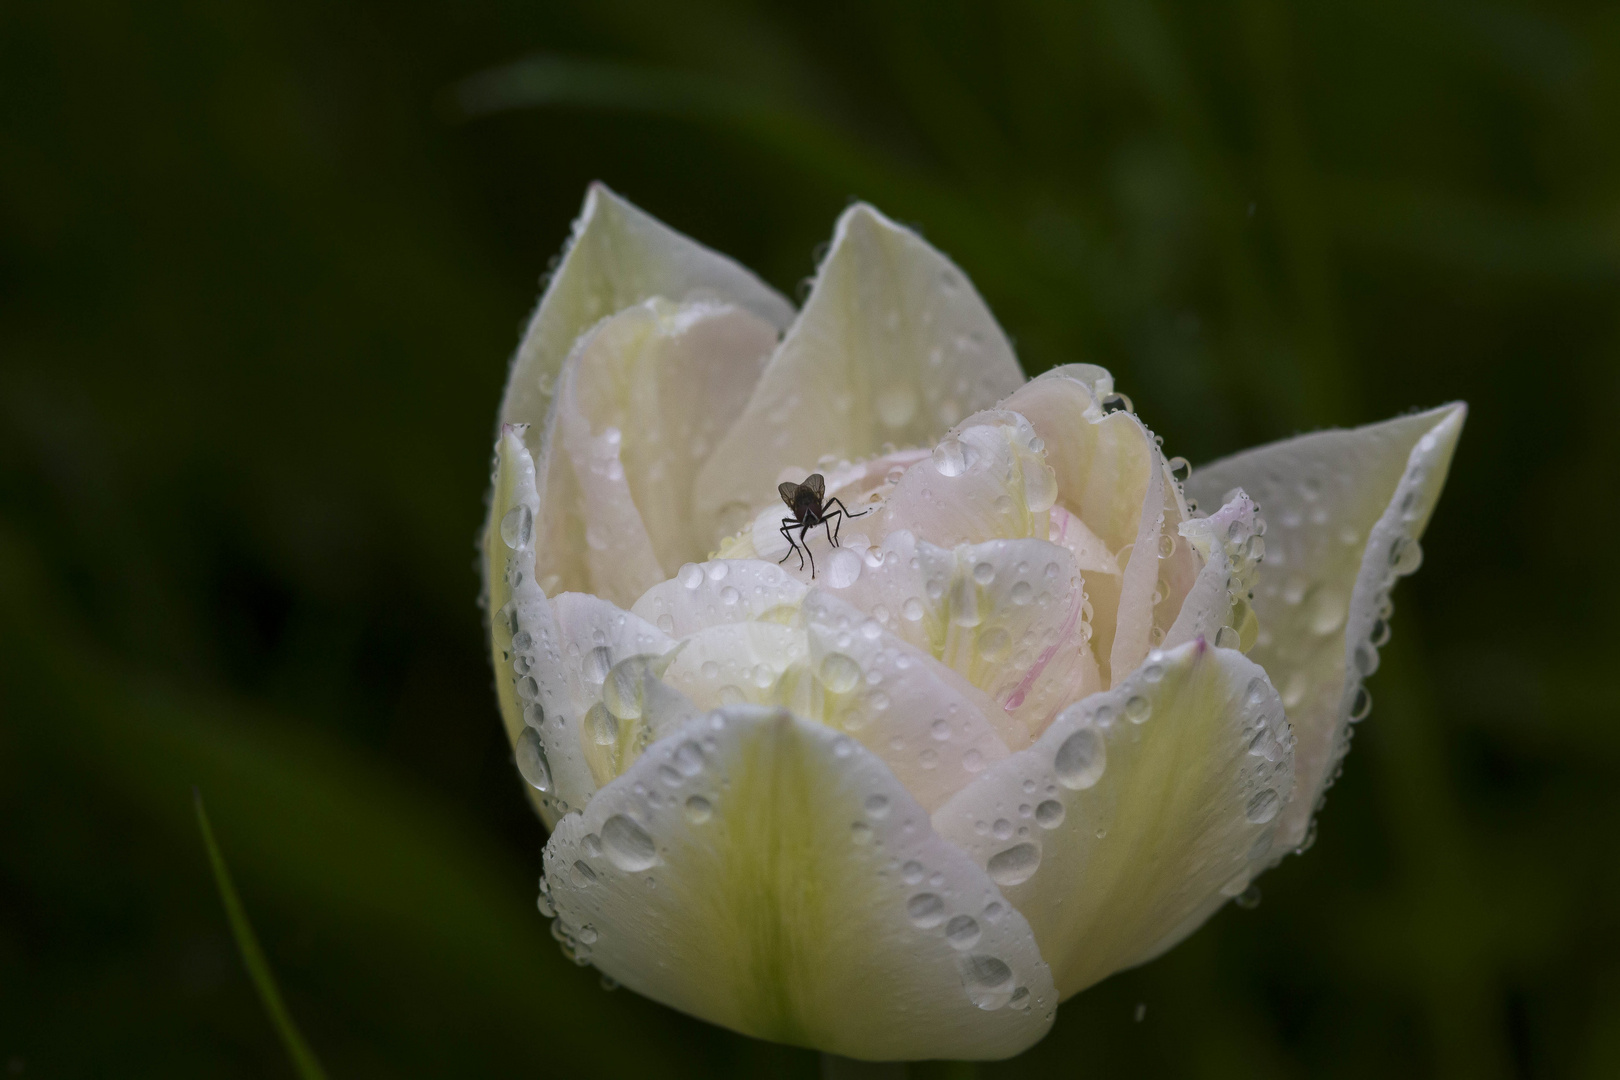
(1346, 509)
(643, 398)
(619, 256)
(536, 706)
(893, 346)
(770, 875)
(1136, 809)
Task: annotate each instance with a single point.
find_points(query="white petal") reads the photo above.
(893, 346)
(1007, 615)
(619, 256)
(1345, 510)
(643, 398)
(932, 728)
(1135, 812)
(1216, 606)
(987, 480)
(721, 591)
(524, 642)
(770, 875)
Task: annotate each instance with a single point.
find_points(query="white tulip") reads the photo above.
(1031, 722)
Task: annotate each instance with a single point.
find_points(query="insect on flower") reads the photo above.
(809, 508)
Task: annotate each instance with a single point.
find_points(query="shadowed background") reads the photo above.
(262, 266)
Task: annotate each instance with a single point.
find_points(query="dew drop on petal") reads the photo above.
(839, 673)
(1263, 806)
(627, 844)
(531, 760)
(987, 980)
(962, 932)
(1080, 760)
(517, 526)
(925, 910)
(1049, 814)
(1014, 865)
(698, 809)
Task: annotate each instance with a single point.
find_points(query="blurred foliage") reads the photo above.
(261, 266)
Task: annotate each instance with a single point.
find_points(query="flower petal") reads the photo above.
(536, 706)
(1346, 509)
(1216, 606)
(721, 591)
(1137, 808)
(932, 728)
(986, 480)
(894, 345)
(619, 256)
(642, 399)
(770, 875)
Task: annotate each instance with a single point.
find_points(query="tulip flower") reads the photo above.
(1027, 715)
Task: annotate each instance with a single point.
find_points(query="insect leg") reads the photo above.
(803, 532)
(792, 547)
(845, 509)
(832, 534)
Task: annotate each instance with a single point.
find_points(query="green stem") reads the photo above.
(253, 956)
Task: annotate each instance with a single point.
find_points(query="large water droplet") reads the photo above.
(952, 457)
(1080, 760)
(627, 844)
(517, 527)
(531, 760)
(925, 910)
(962, 932)
(1049, 814)
(601, 727)
(1014, 865)
(839, 673)
(1405, 555)
(698, 809)
(987, 980)
(1138, 709)
(1263, 806)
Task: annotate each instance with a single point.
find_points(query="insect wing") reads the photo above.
(789, 492)
(817, 484)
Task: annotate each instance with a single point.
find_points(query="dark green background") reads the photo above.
(260, 275)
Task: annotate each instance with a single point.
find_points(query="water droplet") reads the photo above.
(1167, 545)
(839, 673)
(912, 872)
(984, 573)
(1014, 865)
(587, 934)
(1049, 814)
(1249, 898)
(597, 663)
(531, 760)
(1152, 673)
(731, 694)
(1180, 469)
(912, 609)
(1366, 658)
(688, 758)
(861, 832)
(730, 596)
(1405, 555)
(601, 727)
(582, 874)
(698, 809)
(1002, 829)
(627, 844)
(1263, 806)
(940, 730)
(1138, 709)
(987, 980)
(877, 806)
(843, 568)
(1080, 760)
(1360, 705)
(962, 932)
(952, 457)
(517, 527)
(718, 570)
(1326, 611)
(925, 910)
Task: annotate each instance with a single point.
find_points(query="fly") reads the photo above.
(810, 508)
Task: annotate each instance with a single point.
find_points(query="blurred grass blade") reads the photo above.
(253, 956)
